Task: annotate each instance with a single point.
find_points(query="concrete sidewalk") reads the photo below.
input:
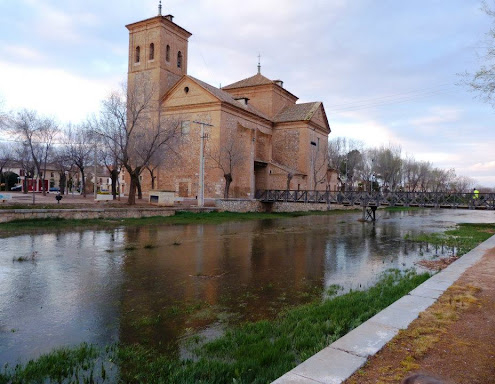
(342, 358)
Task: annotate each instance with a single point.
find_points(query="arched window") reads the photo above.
(152, 51)
(179, 60)
(167, 53)
(138, 51)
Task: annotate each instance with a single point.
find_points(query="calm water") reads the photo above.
(160, 285)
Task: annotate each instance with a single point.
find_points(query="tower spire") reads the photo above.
(160, 8)
(259, 63)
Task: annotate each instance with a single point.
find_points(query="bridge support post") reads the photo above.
(369, 213)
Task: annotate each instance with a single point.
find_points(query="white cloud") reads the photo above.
(371, 133)
(486, 166)
(53, 91)
(436, 157)
(436, 116)
(22, 53)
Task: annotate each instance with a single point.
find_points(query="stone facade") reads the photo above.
(246, 205)
(254, 124)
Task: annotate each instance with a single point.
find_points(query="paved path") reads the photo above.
(341, 359)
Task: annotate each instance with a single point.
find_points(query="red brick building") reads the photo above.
(276, 142)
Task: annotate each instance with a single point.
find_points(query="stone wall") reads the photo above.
(7, 215)
(244, 205)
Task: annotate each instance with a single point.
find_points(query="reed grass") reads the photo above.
(255, 352)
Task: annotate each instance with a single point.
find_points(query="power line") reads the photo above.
(400, 94)
(388, 100)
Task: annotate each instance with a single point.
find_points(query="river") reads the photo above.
(161, 285)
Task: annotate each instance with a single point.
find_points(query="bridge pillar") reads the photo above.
(369, 213)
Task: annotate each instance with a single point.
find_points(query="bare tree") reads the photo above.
(388, 164)
(127, 125)
(319, 163)
(6, 157)
(228, 157)
(64, 165)
(366, 168)
(155, 162)
(38, 133)
(482, 82)
(462, 184)
(440, 179)
(22, 155)
(344, 155)
(3, 114)
(111, 162)
(78, 149)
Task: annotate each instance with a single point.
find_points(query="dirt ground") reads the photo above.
(454, 340)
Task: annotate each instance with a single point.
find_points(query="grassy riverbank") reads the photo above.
(463, 238)
(256, 352)
(181, 217)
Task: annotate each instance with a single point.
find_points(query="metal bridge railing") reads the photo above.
(405, 199)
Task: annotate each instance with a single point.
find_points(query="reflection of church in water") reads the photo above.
(277, 141)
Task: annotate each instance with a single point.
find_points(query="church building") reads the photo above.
(253, 130)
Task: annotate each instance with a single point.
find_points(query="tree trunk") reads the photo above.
(63, 180)
(153, 177)
(139, 190)
(131, 200)
(43, 188)
(83, 178)
(114, 175)
(228, 180)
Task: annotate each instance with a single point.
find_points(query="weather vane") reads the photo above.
(259, 63)
(160, 8)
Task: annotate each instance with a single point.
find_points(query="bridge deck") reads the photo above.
(368, 199)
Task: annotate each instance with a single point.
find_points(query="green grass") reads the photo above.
(256, 352)
(179, 218)
(464, 237)
(68, 364)
(400, 209)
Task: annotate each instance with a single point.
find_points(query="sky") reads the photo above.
(387, 71)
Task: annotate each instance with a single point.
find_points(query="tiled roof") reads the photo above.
(227, 98)
(297, 112)
(252, 81)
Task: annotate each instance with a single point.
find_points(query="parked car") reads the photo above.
(16, 188)
(54, 189)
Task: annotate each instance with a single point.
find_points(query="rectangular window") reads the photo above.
(185, 126)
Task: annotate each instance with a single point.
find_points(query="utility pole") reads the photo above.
(201, 191)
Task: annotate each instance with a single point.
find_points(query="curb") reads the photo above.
(337, 362)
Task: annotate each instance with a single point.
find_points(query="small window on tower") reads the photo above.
(152, 51)
(179, 60)
(138, 52)
(167, 53)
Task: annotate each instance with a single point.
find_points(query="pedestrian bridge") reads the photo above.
(375, 199)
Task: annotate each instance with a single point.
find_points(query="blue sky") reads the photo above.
(385, 70)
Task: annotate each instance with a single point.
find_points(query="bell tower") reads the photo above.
(157, 53)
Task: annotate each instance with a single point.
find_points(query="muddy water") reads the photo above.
(161, 285)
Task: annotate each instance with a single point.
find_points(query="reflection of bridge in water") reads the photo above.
(375, 199)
